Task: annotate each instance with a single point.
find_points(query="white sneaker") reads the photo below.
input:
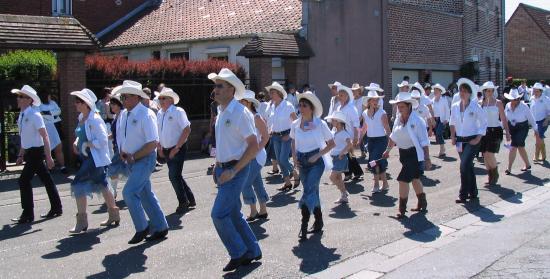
(376, 189)
(342, 199)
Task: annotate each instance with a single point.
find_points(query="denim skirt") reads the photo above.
(376, 147)
(542, 129)
(339, 165)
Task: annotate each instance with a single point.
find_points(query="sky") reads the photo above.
(511, 5)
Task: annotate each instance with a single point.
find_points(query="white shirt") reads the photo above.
(441, 109)
(375, 127)
(424, 112)
(358, 103)
(425, 100)
(414, 133)
(522, 113)
(96, 133)
(293, 100)
(471, 122)
(233, 125)
(279, 117)
(170, 125)
(311, 139)
(352, 116)
(334, 103)
(261, 157)
(340, 139)
(264, 109)
(53, 112)
(540, 107)
(136, 128)
(29, 122)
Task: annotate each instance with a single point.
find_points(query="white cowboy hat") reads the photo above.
(336, 83)
(471, 84)
(156, 93)
(420, 88)
(374, 87)
(317, 106)
(405, 97)
(276, 86)
(371, 95)
(168, 92)
(130, 87)
(29, 91)
(415, 94)
(338, 116)
(347, 90)
(116, 97)
(488, 85)
(87, 96)
(229, 77)
(251, 97)
(403, 84)
(440, 87)
(513, 95)
(538, 86)
(356, 86)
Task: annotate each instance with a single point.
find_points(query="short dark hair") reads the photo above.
(466, 86)
(308, 102)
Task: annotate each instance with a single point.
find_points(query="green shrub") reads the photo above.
(28, 65)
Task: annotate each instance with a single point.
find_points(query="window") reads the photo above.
(179, 55)
(155, 55)
(218, 56)
(62, 7)
(218, 53)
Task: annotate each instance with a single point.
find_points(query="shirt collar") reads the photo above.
(171, 108)
(230, 107)
(137, 108)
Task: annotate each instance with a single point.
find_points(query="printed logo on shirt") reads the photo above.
(134, 122)
(228, 123)
(471, 114)
(170, 118)
(26, 119)
(412, 126)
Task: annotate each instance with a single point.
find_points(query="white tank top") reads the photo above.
(492, 116)
(375, 128)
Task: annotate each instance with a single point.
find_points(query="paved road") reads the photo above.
(193, 249)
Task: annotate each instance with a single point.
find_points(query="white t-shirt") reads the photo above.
(375, 128)
(308, 140)
(540, 107)
(279, 117)
(340, 139)
(29, 122)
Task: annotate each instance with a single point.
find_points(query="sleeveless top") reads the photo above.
(493, 116)
(375, 128)
(80, 132)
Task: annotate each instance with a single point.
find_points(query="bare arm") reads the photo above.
(262, 128)
(503, 119)
(145, 150)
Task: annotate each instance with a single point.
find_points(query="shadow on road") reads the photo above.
(76, 243)
(11, 184)
(315, 256)
(354, 188)
(428, 182)
(380, 199)
(258, 230)
(529, 178)
(13, 231)
(342, 211)
(417, 224)
(243, 271)
(485, 214)
(282, 199)
(505, 194)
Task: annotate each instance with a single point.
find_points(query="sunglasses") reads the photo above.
(22, 97)
(218, 85)
(125, 97)
(163, 98)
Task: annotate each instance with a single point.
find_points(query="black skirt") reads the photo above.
(519, 133)
(492, 140)
(410, 167)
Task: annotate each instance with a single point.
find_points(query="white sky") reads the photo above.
(511, 5)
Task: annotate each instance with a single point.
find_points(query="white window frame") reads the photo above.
(57, 3)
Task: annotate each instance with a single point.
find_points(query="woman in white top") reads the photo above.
(280, 119)
(345, 105)
(343, 145)
(47, 109)
(311, 143)
(254, 186)
(519, 117)
(410, 135)
(496, 120)
(377, 131)
(358, 100)
(91, 145)
(442, 113)
(423, 110)
(118, 168)
(468, 124)
(540, 107)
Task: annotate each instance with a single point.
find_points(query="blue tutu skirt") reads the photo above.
(117, 166)
(89, 179)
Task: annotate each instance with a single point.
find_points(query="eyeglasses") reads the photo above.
(124, 97)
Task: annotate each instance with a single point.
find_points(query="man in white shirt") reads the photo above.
(35, 145)
(137, 138)
(291, 96)
(234, 126)
(174, 129)
(333, 100)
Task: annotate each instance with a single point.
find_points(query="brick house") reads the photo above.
(527, 43)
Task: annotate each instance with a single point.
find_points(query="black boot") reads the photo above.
(422, 203)
(402, 208)
(305, 220)
(318, 224)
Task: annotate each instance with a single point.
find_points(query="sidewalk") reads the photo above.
(503, 240)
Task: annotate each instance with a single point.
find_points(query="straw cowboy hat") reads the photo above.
(420, 88)
(513, 95)
(87, 96)
(403, 84)
(336, 83)
(440, 87)
(538, 86)
(317, 106)
(30, 92)
(251, 97)
(338, 116)
(356, 86)
(488, 85)
(405, 97)
(371, 95)
(276, 86)
(229, 77)
(347, 90)
(168, 92)
(130, 87)
(374, 87)
(471, 84)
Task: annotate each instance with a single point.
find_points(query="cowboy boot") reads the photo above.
(543, 152)
(305, 220)
(318, 224)
(114, 217)
(422, 203)
(402, 207)
(81, 223)
(495, 175)
(489, 177)
(537, 153)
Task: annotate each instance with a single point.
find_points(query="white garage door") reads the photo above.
(397, 77)
(442, 77)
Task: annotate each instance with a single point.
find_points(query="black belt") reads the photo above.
(465, 139)
(282, 133)
(227, 165)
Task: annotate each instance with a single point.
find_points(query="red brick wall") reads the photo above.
(99, 14)
(434, 40)
(261, 71)
(446, 6)
(534, 63)
(296, 71)
(26, 7)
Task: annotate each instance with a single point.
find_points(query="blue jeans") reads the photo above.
(439, 130)
(139, 197)
(175, 167)
(254, 184)
(282, 153)
(232, 228)
(310, 176)
(468, 184)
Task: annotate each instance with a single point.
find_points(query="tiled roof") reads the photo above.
(191, 20)
(42, 32)
(273, 44)
(540, 16)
